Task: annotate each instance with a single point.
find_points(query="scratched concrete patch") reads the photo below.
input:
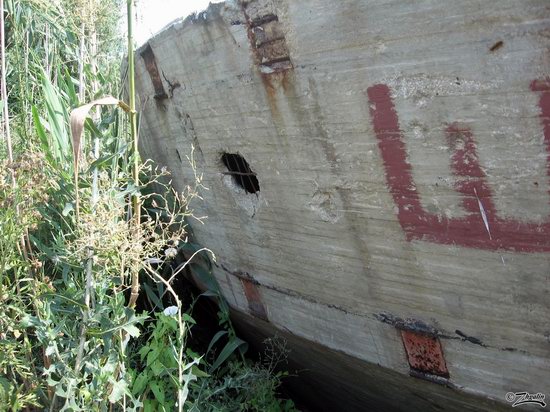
(326, 204)
(422, 86)
(444, 213)
(248, 202)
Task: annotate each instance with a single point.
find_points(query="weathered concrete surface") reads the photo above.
(402, 153)
(319, 373)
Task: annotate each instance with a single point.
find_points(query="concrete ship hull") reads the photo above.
(378, 178)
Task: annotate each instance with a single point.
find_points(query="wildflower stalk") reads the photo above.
(24, 239)
(5, 114)
(181, 337)
(90, 258)
(135, 153)
(89, 288)
(4, 91)
(81, 63)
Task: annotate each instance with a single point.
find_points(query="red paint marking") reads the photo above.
(544, 104)
(254, 299)
(469, 231)
(424, 353)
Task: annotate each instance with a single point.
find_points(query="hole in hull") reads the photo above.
(243, 176)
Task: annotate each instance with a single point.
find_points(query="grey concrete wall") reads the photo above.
(325, 239)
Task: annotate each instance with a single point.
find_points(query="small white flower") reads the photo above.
(171, 252)
(171, 311)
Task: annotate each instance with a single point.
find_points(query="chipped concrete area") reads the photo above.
(326, 204)
(441, 218)
(249, 202)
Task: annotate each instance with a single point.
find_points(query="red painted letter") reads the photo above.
(481, 228)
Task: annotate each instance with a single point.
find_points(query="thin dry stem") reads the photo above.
(136, 201)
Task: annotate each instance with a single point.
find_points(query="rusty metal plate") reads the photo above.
(424, 353)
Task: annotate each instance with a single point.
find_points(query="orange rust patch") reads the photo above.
(424, 353)
(152, 68)
(271, 92)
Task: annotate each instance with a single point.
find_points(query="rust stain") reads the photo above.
(424, 353)
(271, 92)
(151, 66)
(254, 299)
(497, 45)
